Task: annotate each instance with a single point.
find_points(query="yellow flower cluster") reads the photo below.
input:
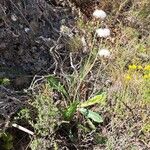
(132, 67)
(139, 67)
(128, 77)
(146, 76)
(145, 70)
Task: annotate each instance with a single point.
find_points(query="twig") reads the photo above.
(34, 82)
(71, 63)
(22, 129)
(130, 109)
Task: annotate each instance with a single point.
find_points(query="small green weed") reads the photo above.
(6, 141)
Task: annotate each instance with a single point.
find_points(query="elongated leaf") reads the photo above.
(56, 85)
(91, 125)
(70, 111)
(91, 115)
(98, 99)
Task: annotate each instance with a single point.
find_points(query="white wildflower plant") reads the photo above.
(99, 14)
(103, 32)
(105, 53)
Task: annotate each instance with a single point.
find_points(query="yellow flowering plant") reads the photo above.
(138, 70)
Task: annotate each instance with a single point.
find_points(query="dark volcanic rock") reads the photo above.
(28, 29)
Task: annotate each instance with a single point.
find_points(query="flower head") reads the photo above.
(104, 53)
(103, 32)
(132, 67)
(99, 14)
(147, 67)
(140, 67)
(146, 76)
(128, 77)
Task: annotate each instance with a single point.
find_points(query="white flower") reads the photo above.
(104, 53)
(99, 14)
(103, 32)
(14, 17)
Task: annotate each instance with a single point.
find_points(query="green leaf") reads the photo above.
(56, 85)
(91, 125)
(91, 115)
(99, 139)
(70, 111)
(98, 99)
(4, 81)
(7, 141)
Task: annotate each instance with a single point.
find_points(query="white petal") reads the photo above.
(104, 53)
(99, 14)
(103, 32)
